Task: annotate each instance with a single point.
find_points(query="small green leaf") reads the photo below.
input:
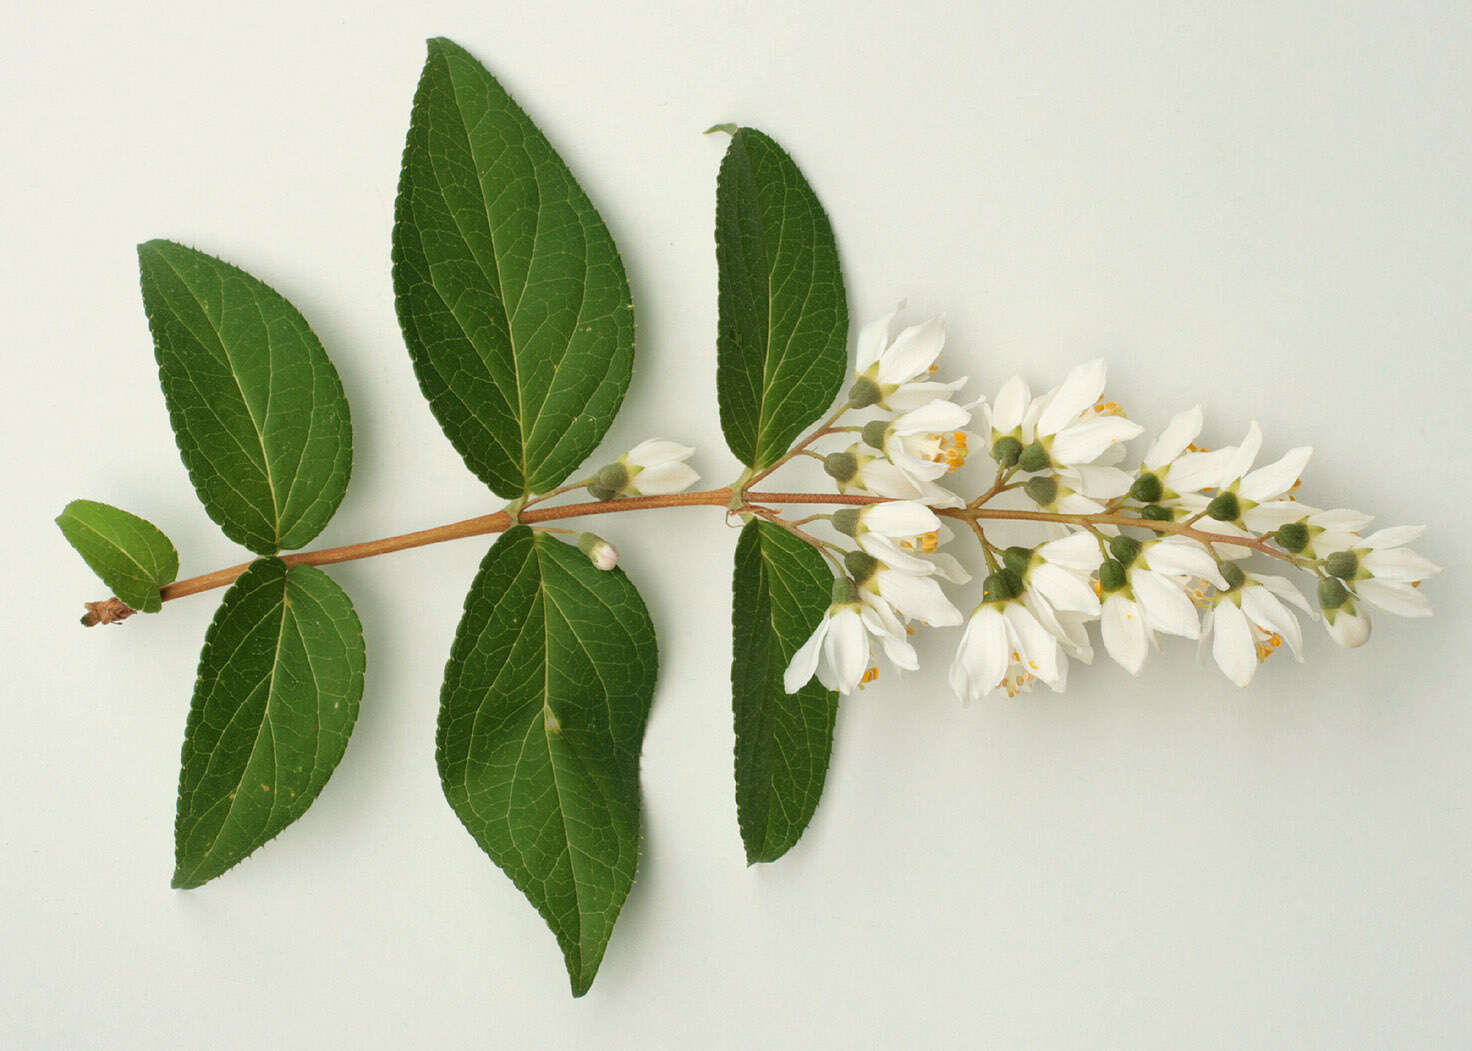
(780, 591)
(542, 716)
(783, 332)
(509, 288)
(276, 699)
(130, 554)
(257, 408)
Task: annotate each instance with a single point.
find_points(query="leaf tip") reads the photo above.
(729, 129)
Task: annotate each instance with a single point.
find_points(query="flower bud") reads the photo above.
(1342, 564)
(1125, 549)
(846, 520)
(1224, 507)
(1147, 489)
(864, 392)
(1156, 513)
(841, 467)
(1033, 458)
(1000, 586)
(860, 566)
(1043, 490)
(600, 552)
(874, 432)
(1006, 451)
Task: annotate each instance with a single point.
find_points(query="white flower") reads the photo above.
(842, 641)
(651, 468)
(1145, 586)
(1248, 623)
(1005, 647)
(903, 533)
(914, 596)
(854, 470)
(928, 442)
(1060, 572)
(1073, 426)
(1380, 570)
(889, 370)
(1240, 489)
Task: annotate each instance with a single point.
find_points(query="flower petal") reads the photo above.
(656, 451)
(1123, 628)
(1172, 442)
(1085, 441)
(1232, 645)
(913, 351)
(1400, 599)
(1165, 604)
(805, 661)
(1079, 391)
(1278, 477)
(1062, 589)
(873, 338)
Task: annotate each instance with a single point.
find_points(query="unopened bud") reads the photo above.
(1332, 594)
(1034, 457)
(874, 432)
(1292, 537)
(1006, 451)
(846, 520)
(841, 467)
(600, 552)
(1112, 576)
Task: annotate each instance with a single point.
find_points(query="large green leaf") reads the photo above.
(542, 716)
(130, 554)
(782, 338)
(277, 696)
(509, 289)
(780, 590)
(257, 408)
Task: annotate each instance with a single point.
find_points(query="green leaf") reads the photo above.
(542, 716)
(130, 554)
(257, 408)
(509, 289)
(783, 334)
(780, 591)
(276, 699)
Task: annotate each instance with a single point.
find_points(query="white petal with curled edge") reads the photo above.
(1399, 565)
(1278, 477)
(665, 478)
(873, 338)
(1062, 589)
(1165, 605)
(1037, 646)
(656, 451)
(1085, 441)
(1264, 610)
(1011, 404)
(913, 351)
(1232, 645)
(899, 518)
(1172, 442)
(805, 661)
(1400, 599)
(1123, 629)
(1079, 391)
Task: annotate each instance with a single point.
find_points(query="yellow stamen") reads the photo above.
(869, 676)
(1108, 408)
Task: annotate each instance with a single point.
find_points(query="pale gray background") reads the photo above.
(1266, 211)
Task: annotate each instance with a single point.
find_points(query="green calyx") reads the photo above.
(1332, 594)
(1147, 489)
(844, 591)
(861, 566)
(1342, 564)
(1000, 586)
(1124, 549)
(1156, 513)
(601, 492)
(846, 520)
(1043, 490)
(1006, 451)
(613, 477)
(1233, 575)
(1292, 537)
(874, 433)
(864, 392)
(1017, 559)
(1224, 507)
(841, 467)
(1112, 576)
(1034, 458)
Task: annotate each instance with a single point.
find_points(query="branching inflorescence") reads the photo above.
(516, 315)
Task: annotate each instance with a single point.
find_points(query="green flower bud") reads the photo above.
(1043, 490)
(1125, 549)
(860, 566)
(863, 393)
(841, 466)
(1292, 537)
(1342, 564)
(1224, 507)
(1156, 513)
(1017, 559)
(1332, 594)
(1147, 489)
(1006, 451)
(600, 492)
(844, 591)
(873, 433)
(1033, 458)
(846, 521)
(1000, 586)
(613, 477)
(1233, 575)
(1112, 576)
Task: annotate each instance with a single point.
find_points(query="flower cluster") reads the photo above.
(1159, 549)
